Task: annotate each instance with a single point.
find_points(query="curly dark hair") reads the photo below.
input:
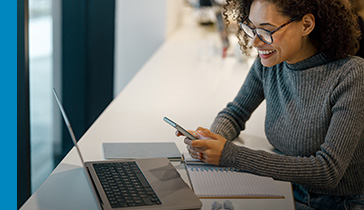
(336, 31)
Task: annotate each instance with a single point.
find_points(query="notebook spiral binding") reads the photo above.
(217, 169)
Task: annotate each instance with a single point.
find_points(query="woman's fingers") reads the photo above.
(208, 147)
(193, 153)
(204, 133)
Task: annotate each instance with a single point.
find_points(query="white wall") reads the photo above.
(141, 26)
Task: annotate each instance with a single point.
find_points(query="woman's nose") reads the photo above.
(257, 42)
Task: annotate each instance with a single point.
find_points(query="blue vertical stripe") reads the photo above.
(8, 103)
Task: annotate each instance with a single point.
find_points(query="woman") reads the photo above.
(314, 91)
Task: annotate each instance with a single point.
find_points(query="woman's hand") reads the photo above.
(208, 147)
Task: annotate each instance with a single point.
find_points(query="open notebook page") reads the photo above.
(210, 181)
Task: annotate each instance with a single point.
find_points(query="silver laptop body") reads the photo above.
(163, 178)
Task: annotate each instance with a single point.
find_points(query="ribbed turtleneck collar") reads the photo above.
(310, 62)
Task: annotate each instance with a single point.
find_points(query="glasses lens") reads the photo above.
(247, 30)
(264, 35)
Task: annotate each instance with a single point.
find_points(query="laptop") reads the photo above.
(135, 184)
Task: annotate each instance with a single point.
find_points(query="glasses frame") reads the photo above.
(270, 33)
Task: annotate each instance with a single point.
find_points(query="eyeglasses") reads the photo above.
(263, 34)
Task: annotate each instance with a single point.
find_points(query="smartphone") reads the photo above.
(179, 128)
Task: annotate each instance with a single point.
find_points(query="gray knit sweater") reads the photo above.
(314, 116)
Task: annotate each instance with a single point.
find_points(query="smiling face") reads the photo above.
(291, 43)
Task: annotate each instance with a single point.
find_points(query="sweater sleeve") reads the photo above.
(231, 120)
(325, 169)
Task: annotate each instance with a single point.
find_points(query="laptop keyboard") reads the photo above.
(125, 185)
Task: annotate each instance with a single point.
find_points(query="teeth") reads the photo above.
(265, 52)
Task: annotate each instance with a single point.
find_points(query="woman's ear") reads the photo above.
(308, 24)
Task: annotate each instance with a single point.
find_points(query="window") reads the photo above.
(40, 86)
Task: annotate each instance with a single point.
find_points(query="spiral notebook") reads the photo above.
(209, 181)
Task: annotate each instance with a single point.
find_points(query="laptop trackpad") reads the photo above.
(167, 183)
